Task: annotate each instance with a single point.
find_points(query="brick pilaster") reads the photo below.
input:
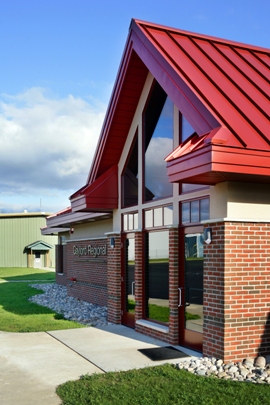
(237, 291)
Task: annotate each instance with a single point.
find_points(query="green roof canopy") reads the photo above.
(39, 245)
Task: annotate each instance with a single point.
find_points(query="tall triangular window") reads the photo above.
(130, 177)
(158, 143)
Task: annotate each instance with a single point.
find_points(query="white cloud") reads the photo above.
(47, 145)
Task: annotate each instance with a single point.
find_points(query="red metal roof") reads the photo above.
(231, 79)
(221, 87)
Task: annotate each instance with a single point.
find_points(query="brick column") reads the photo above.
(213, 306)
(173, 285)
(237, 291)
(114, 279)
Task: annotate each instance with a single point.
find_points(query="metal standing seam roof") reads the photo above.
(222, 87)
(230, 79)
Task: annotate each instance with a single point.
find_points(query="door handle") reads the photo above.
(186, 303)
(133, 288)
(180, 297)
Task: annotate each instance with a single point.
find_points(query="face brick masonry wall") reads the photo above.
(237, 291)
(86, 270)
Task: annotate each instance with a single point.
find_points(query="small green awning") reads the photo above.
(39, 245)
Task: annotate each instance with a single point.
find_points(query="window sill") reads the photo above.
(153, 326)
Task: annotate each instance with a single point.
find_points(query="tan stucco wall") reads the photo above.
(91, 229)
(236, 200)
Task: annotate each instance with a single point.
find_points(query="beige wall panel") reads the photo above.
(237, 200)
(91, 229)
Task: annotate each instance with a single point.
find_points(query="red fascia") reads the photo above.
(212, 164)
(99, 196)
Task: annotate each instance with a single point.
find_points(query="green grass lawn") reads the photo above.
(17, 314)
(25, 274)
(160, 385)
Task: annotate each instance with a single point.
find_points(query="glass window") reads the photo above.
(136, 221)
(125, 224)
(204, 209)
(129, 252)
(187, 188)
(185, 212)
(157, 217)
(158, 220)
(158, 141)
(168, 215)
(130, 177)
(130, 221)
(157, 276)
(149, 219)
(186, 130)
(195, 211)
(63, 240)
(194, 245)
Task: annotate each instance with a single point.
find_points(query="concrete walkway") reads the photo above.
(33, 364)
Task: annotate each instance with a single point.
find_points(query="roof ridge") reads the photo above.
(199, 35)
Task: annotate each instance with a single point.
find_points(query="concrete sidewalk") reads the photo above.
(33, 364)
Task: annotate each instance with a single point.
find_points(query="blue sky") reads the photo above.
(59, 60)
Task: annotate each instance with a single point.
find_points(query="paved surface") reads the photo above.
(33, 364)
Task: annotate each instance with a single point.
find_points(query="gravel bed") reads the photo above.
(55, 297)
(249, 370)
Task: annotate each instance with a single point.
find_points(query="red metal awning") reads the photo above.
(216, 157)
(99, 196)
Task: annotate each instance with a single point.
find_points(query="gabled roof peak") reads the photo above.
(214, 83)
(146, 24)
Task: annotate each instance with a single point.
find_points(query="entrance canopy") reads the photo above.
(39, 245)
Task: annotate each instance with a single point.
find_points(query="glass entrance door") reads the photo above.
(191, 290)
(128, 280)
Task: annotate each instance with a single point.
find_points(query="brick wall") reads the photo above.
(89, 269)
(237, 294)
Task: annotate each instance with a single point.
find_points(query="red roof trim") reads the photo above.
(128, 85)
